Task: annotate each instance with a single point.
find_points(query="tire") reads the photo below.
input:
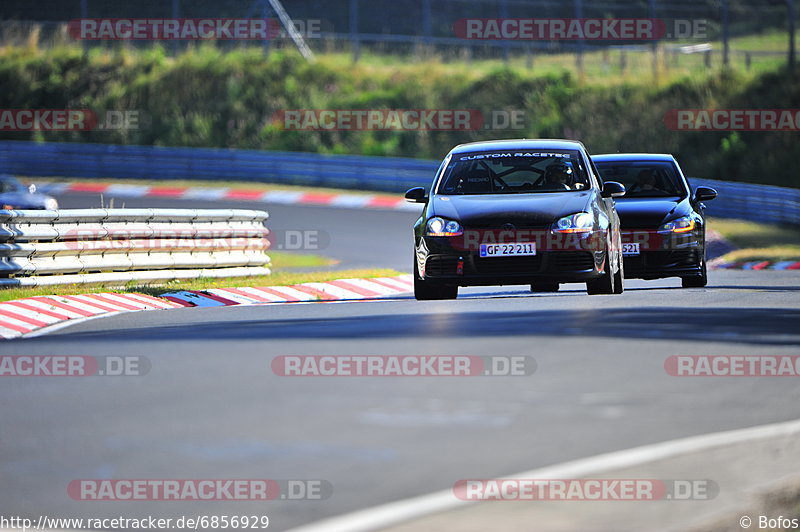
(697, 281)
(619, 277)
(544, 287)
(609, 283)
(426, 291)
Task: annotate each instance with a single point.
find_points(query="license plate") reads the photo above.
(630, 249)
(511, 249)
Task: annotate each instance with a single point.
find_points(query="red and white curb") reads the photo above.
(27, 316)
(338, 290)
(121, 190)
(756, 265)
(24, 316)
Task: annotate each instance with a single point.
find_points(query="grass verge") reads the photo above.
(757, 241)
(281, 260)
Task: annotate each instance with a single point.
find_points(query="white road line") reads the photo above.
(385, 515)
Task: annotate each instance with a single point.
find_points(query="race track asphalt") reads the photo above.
(211, 406)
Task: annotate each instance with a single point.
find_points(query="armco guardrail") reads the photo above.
(760, 203)
(119, 245)
(757, 203)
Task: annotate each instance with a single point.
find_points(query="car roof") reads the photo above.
(519, 144)
(606, 157)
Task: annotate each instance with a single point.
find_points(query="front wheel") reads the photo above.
(608, 283)
(698, 281)
(426, 291)
(619, 278)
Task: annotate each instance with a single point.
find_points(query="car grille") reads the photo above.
(437, 266)
(570, 261)
(552, 262)
(657, 260)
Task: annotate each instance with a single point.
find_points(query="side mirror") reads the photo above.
(416, 195)
(704, 194)
(32, 188)
(612, 189)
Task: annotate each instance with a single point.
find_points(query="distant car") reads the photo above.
(15, 195)
(517, 212)
(663, 221)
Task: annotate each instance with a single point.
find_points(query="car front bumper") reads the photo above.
(439, 261)
(664, 255)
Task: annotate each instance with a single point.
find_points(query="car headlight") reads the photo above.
(441, 227)
(51, 204)
(683, 224)
(582, 222)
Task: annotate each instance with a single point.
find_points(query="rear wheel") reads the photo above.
(426, 291)
(544, 287)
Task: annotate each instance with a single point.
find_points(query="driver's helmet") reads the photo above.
(558, 173)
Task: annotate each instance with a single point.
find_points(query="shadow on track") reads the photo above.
(768, 326)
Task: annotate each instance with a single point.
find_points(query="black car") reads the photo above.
(15, 195)
(517, 212)
(663, 223)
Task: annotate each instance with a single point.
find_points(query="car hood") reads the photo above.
(649, 213)
(525, 210)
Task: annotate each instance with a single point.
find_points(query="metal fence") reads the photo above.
(390, 174)
(39, 248)
(421, 27)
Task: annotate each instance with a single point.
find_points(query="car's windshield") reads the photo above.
(643, 179)
(514, 172)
